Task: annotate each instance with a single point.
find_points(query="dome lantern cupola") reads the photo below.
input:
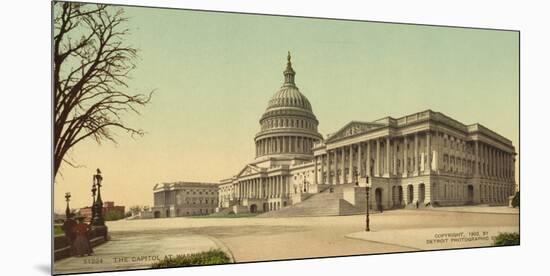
(289, 72)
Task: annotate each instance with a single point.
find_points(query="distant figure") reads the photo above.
(417, 204)
(68, 228)
(81, 243)
(380, 208)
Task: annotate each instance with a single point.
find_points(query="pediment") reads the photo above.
(248, 170)
(353, 128)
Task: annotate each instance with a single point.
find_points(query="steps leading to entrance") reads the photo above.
(321, 204)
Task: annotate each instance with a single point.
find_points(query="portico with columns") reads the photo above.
(425, 157)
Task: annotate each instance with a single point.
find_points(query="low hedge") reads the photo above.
(210, 257)
(507, 239)
(515, 200)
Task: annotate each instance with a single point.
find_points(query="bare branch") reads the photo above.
(91, 67)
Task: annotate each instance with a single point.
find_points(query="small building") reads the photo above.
(180, 199)
(108, 207)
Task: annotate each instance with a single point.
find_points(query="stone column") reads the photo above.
(266, 185)
(493, 162)
(359, 163)
(482, 159)
(428, 166)
(280, 186)
(415, 163)
(387, 170)
(476, 158)
(489, 162)
(497, 163)
(323, 170)
(260, 187)
(394, 156)
(272, 183)
(510, 164)
(343, 165)
(276, 185)
(329, 179)
(439, 155)
(405, 157)
(316, 158)
(368, 172)
(501, 163)
(377, 161)
(497, 158)
(281, 189)
(350, 165)
(336, 166)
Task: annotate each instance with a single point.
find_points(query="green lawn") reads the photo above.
(210, 257)
(57, 230)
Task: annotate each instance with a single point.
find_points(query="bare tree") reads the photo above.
(91, 66)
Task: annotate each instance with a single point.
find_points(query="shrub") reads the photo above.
(507, 239)
(515, 200)
(210, 257)
(58, 230)
(113, 215)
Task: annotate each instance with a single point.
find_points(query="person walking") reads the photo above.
(81, 243)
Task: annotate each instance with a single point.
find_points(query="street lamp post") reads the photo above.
(94, 189)
(98, 216)
(367, 189)
(67, 210)
(367, 192)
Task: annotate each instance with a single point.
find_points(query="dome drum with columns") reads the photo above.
(288, 126)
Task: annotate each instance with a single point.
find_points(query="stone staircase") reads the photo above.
(324, 203)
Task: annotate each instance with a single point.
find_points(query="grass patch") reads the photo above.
(57, 230)
(507, 239)
(210, 257)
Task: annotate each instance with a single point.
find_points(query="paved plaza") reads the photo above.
(141, 242)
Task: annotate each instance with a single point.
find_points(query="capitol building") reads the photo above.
(421, 160)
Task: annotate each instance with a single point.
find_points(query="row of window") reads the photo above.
(200, 192)
(206, 201)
